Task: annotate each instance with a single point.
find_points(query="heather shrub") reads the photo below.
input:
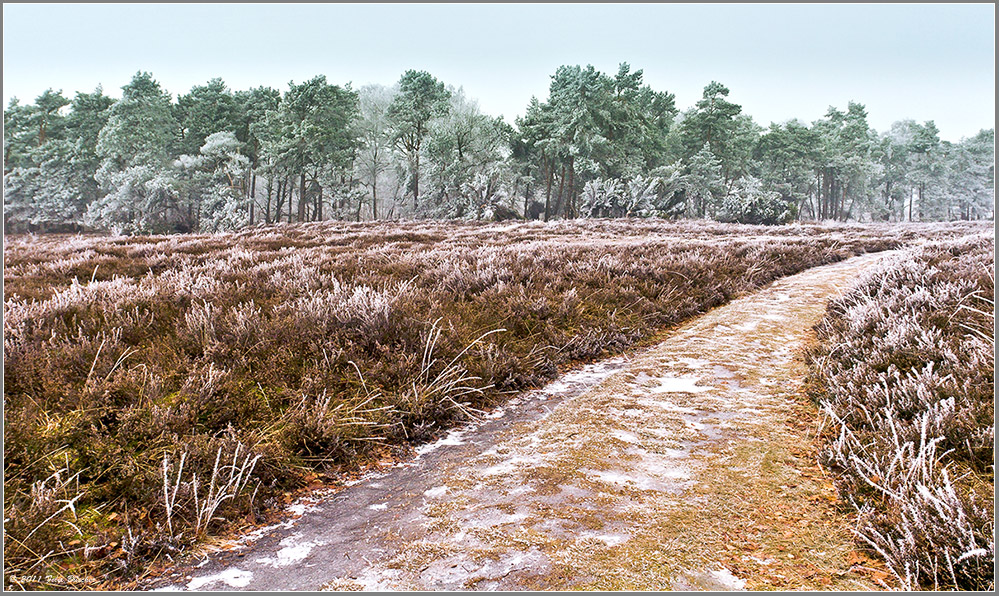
(907, 363)
(268, 359)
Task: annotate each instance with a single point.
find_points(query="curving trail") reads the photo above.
(690, 465)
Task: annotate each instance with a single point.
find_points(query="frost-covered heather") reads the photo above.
(309, 349)
(907, 361)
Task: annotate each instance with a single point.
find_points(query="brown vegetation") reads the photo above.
(158, 388)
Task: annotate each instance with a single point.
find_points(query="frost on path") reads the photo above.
(689, 466)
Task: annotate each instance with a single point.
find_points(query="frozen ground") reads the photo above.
(687, 466)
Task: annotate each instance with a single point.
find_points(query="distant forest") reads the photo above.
(601, 145)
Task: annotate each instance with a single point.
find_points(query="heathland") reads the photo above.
(160, 389)
(907, 363)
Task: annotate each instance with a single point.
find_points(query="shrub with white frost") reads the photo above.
(906, 359)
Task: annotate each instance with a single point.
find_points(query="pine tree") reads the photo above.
(420, 100)
(133, 147)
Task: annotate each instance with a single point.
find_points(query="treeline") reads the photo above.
(600, 146)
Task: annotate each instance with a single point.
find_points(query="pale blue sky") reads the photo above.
(781, 61)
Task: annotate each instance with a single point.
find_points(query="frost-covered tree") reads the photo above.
(847, 166)
(892, 152)
(420, 100)
(253, 106)
(485, 196)
(602, 198)
(375, 156)
(786, 157)
(970, 177)
(204, 110)
(53, 182)
(711, 122)
(925, 171)
(46, 195)
(704, 185)
(959, 182)
(593, 126)
(749, 202)
(533, 152)
(311, 136)
(640, 196)
(18, 135)
(462, 145)
(133, 147)
(670, 184)
(223, 203)
(46, 115)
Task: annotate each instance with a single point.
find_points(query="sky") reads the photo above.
(780, 61)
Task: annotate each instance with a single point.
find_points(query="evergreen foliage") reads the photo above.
(600, 145)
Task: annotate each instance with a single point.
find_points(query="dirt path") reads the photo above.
(688, 466)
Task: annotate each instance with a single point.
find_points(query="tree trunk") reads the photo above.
(253, 194)
(301, 198)
(571, 205)
(279, 202)
(267, 210)
(416, 179)
(548, 191)
(527, 198)
(558, 197)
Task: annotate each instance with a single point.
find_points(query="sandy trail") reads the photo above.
(690, 465)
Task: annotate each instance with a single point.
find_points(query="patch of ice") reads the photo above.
(519, 490)
(625, 436)
(437, 491)
(746, 326)
(497, 413)
(301, 508)
(726, 579)
(694, 363)
(678, 385)
(233, 577)
(650, 476)
(376, 579)
(694, 424)
(608, 539)
(291, 553)
(261, 532)
(378, 507)
(589, 375)
(612, 477)
(453, 438)
(774, 317)
(556, 387)
(509, 465)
